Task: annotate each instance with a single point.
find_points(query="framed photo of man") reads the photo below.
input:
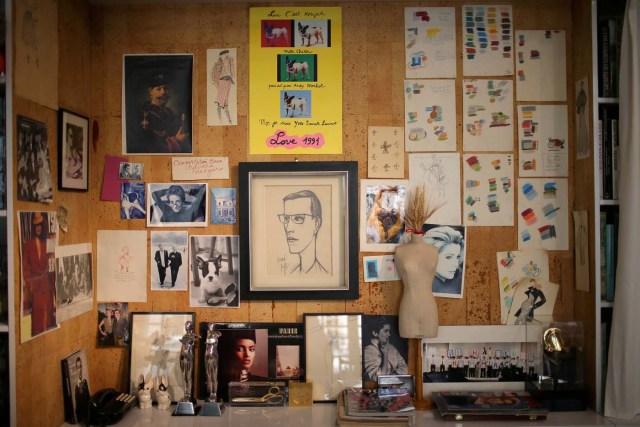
(177, 205)
(300, 230)
(157, 104)
(73, 151)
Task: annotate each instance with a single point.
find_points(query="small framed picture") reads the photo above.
(458, 352)
(73, 151)
(498, 353)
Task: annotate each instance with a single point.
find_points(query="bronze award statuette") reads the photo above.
(212, 407)
(186, 405)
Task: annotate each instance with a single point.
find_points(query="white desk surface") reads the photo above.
(324, 415)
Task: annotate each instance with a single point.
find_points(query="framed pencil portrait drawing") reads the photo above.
(73, 151)
(299, 222)
(155, 350)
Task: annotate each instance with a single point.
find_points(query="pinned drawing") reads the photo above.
(488, 115)
(489, 189)
(222, 92)
(487, 40)
(513, 266)
(430, 115)
(582, 115)
(386, 152)
(440, 175)
(543, 218)
(533, 302)
(541, 65)
(430, 42)
(543, 140)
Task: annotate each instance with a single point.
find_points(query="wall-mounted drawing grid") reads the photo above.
(541, 70)
(489, 188)
(513, 266)
(440, 175)
(430, 115)
(385, 152)
(543, 217)
(543, 140)
(487, 108)
(487, 40)
(430, 42)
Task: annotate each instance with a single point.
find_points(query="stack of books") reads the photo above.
(389, 407)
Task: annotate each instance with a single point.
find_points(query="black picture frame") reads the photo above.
(276, 335)
(73, 151)
(270, 266)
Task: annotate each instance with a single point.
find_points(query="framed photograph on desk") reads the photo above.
(155, 350)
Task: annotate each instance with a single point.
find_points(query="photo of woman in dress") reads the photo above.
(449, 240)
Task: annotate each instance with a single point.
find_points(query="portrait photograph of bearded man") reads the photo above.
(157, 104)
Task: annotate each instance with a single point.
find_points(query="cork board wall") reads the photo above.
(373, 75)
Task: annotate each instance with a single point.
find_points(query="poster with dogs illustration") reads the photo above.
(295, 68)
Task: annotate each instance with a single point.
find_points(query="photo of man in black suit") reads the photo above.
(162, 262)
(175, 261)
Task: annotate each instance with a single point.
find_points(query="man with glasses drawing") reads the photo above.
(302, 218)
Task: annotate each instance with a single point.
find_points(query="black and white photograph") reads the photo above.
(77, 390)
(214, 271)
(177, 205)
(384, 351)
(129, 170)
(157, 104)
(34, 170)
(74, 287)
(450, 242)
(169, 255)
(73, 151)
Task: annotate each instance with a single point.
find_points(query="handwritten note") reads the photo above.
(198, 168)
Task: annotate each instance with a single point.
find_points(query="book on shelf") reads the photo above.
(615, 159)
(608, 145)
(609, 221)
(75, 387)
(604, 84)
(603, 258)
(488, 405)
(609, 42)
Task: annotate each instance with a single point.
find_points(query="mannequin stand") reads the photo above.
(419, 401)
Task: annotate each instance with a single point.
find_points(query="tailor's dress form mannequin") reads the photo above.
(416, 262)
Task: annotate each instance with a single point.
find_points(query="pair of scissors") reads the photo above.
(274, 396)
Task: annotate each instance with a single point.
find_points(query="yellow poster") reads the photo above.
(295, 76)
